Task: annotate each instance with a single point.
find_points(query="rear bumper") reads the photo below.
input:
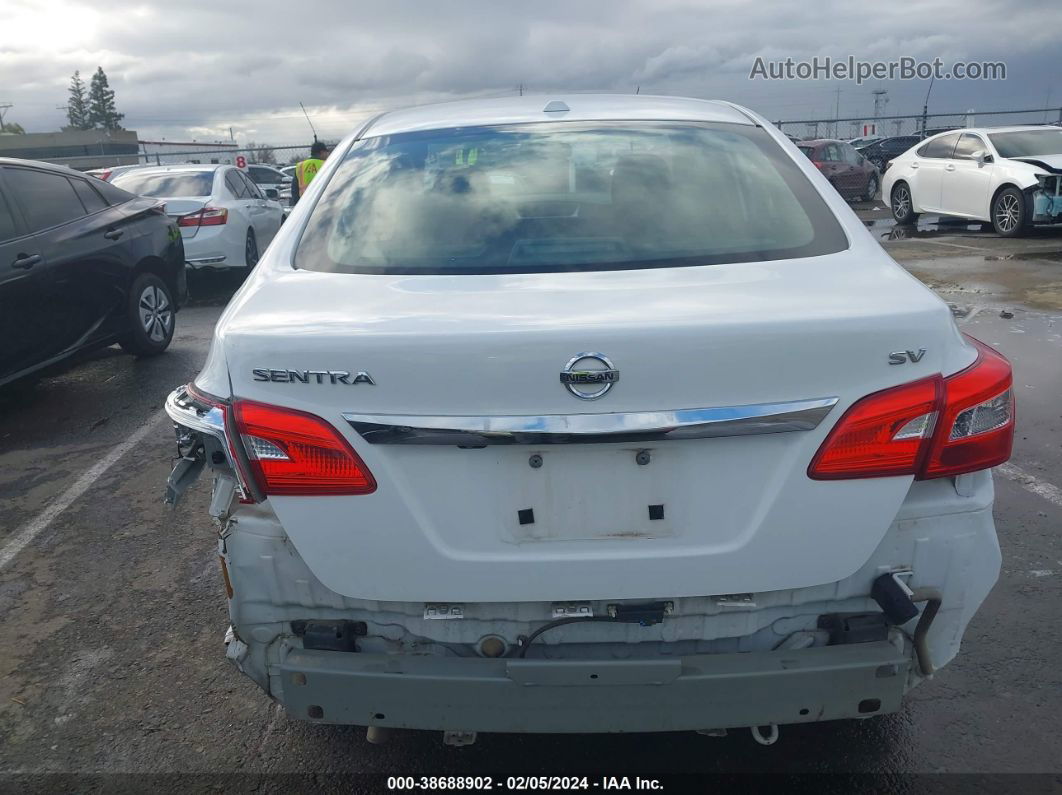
(685, 693)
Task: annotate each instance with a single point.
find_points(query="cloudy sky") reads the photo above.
(193, 69)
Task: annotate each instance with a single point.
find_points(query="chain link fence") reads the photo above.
(275, 156)
(888, 126)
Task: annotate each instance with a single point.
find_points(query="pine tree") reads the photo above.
(77, 107)
(101, 110)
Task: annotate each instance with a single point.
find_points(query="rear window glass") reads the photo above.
(93, 201)
(565, 197)
(166, 185)
(807, 150)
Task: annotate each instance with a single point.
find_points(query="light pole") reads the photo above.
(925, 106)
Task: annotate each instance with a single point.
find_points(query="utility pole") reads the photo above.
(4, 106)
(881, 99)
(925, 106)
(837, 115)
(520, 88)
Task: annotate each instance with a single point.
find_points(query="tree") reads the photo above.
(77, 111)
(12, 127)
(262, 153)
(102, 111)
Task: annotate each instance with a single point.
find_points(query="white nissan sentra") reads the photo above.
(591, 414)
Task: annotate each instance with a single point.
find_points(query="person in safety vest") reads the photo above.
(307, 169)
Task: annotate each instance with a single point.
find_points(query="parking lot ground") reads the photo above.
(112, 658)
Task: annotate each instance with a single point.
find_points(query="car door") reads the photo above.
(831, 167)
(929, 163)
(23, 293)
(269, 214)
(851, 173)
(89, 250)
(967, 185)
(249, 207)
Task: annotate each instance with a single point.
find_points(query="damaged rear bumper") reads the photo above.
(517, 695)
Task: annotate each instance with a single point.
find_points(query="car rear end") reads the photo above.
(442, 507)
(193, 201)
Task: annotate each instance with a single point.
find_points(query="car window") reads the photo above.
(1028, 143)
(47, 199)
(251, 190)
(92, 201)
(808, 150)
(169, 185)
(8, 227)
(943, 146)
(550, 197)
(968, 145)
(263, 176)
(235, 185)
(849, 154)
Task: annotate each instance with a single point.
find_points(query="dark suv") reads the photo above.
(881, 152)
(83, 264)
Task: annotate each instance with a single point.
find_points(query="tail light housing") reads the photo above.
(931, 428)
(208, 216)
(293, 453)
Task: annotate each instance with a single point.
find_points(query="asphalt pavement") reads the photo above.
(111, 659)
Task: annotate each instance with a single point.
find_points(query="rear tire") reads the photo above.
(1010, 216)
(902, 204)
(250, 251)
(872, 188)
(150, 315)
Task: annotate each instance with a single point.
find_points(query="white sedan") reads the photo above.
(442, 507)
(1010, 177)
(225, 220)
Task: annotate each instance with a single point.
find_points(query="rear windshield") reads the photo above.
(168, 185)
(1028, 143)
(565, 197)
(807, 150)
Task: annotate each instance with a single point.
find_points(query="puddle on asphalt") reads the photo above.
(1050, 256)
(888, 229)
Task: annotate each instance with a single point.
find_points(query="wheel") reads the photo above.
(902, 206)
(872, 188)
(149, 310)
(250, 251)
(1009, 215)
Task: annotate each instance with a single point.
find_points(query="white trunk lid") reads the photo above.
(450, 524)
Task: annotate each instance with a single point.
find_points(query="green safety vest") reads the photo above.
(306, 170)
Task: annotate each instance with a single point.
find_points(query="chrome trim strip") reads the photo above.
(202, 417)
(640, 426)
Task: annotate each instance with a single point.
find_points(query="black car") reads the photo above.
(83, 264)
(881, 152)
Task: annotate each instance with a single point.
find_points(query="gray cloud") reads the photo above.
(197, 68)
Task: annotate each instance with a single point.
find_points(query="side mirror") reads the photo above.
(982, 157)
(272, 193)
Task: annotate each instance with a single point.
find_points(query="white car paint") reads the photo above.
(963, 186)
(270, 178)
(743, 515)
(225, 245)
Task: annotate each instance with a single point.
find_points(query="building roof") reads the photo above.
(563, 107)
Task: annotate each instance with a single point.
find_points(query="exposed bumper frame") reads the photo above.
(517, 695)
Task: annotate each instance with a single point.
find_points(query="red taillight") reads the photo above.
(883, 434)
(977, 425)
(293, 453)
(208, 216)
(930, 428)
(817, 164)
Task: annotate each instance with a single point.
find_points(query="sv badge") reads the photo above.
(902, 357)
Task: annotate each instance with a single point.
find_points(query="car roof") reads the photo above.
(821, 141)
(64, 170)
(564, 107)
(1011, 128)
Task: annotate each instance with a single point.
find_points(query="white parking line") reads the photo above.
(1041, 488)
(29, 531)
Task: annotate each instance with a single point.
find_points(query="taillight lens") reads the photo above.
(932, 428)
(293, 453)
(977, 426)
(208, 216)
(881, 435)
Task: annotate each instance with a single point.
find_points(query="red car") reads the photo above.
(849, 172)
